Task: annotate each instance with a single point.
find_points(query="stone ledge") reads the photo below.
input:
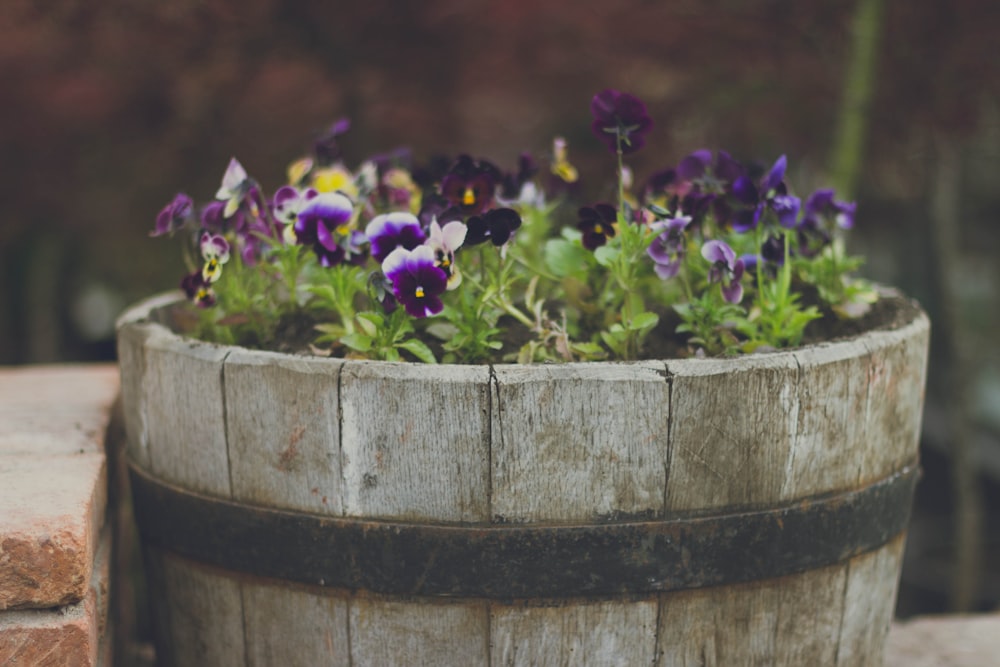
(53, 480)
(945, 641)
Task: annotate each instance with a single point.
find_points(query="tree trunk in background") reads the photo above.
(852, 122)
(944, 204)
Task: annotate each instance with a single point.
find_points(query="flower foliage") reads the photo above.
(716, 252)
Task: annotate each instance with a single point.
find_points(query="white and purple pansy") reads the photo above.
(417, 281)
(236, 189)
(322, 223)
(389, 231)
(215, 251)
(287, 203)
(444, 241)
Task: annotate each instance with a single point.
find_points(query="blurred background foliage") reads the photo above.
(109, 108)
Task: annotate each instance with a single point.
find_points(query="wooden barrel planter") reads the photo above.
(309, 511)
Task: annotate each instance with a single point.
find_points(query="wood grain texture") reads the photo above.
(282, 426)
(791, 621)
(869, 599)
(418, 632)
(833, 395)
(185, 413)
(615, 633)
(133, 329)
(733, 427)
(132, 365)
(294, 627)
(415, 441)
(579, 442)
(201, 616)
(897, 380)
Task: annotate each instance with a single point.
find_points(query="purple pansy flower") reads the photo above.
(470, 185)
(417, 282)
(496, 226)
(668, 249)
(286, 204)
(326, 147)
(389, 231)
(822, 215)
(198, 290)
(823, 206)
(726, 269)
(620, 120)
(597, 223)
(773, 249)
(178, 213)
(323, 224)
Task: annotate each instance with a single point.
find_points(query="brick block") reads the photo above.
(71, 636)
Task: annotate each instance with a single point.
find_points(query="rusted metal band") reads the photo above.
(505, 561)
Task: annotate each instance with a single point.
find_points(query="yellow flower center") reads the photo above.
(598, 229)
(419, 292)
(468, 197)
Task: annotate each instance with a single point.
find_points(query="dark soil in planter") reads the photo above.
(296, 334)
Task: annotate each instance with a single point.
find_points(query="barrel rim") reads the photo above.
(146, 313)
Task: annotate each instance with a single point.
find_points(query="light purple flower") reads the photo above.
(726, 269)
(668, 249)
(393, 230)
(417, 282)
(821, 204)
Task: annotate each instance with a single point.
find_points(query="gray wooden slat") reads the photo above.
(869, 599)
(601, 634)
(133, 328)
(733, 427)
(294, 627)
(578, 442)
(185, 414)
(831, 430)
(788, 621)
(897, 380)
(205, 611)
(282, 426)
(415, 441)
(418, 632)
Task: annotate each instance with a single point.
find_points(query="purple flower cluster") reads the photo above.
(412, 223)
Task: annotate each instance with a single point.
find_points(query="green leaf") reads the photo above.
(357, 341)
(418, 349)
(564, 258)
(370, 323)
(606, 255)
(644, 320)
(442, 330)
